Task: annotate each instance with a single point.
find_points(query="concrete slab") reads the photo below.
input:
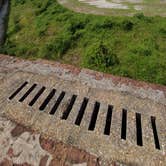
(137, 132)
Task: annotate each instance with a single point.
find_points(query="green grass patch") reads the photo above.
(127, 46)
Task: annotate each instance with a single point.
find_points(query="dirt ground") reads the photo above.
(117, 7)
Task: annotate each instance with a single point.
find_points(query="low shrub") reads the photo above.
(142, 50)
(142, 17)
(99, 55)
(43, 6)
(127, 25)
(57, 47)
(162, 31)
(19, 2)
(76, 24)
(102, 24)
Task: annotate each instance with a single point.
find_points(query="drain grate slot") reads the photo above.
(81, 111)
(124, 124)
(69, 108)
(27, 93)
(108, 120)
(94, 116)
(156, 139)
(37, 96)
(60, 98)
(47, 100)
(18, 90)
(139, 129)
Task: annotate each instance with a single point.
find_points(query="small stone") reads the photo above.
(17, 131)
(82, 164)
(47, 144)
(6, 162)
(10, 153)
(43, 161)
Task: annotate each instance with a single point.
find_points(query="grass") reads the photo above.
(134, 47)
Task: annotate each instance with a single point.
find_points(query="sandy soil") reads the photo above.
(105, 4)
(117, 7)
(116, 4)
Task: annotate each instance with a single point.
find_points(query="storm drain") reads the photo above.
(82, 110)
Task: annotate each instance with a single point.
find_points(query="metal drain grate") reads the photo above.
(82, 110)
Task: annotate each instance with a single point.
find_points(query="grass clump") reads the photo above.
(98, 55)
(56, 48)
